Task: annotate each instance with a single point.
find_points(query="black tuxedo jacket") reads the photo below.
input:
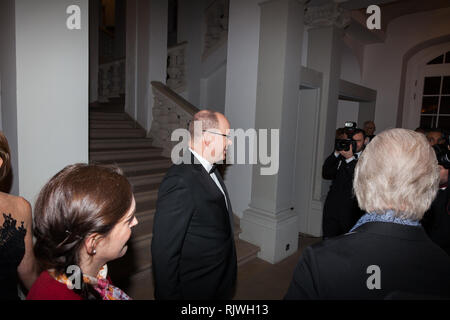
(340, 210)
(410, 265)
(193, 249)
(436, 220)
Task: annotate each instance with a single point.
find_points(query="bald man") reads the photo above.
(193, 249)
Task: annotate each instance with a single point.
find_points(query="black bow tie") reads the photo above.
(213, 168)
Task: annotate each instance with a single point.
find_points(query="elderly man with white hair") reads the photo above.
(387, 254)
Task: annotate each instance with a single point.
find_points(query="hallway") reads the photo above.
(260, 280)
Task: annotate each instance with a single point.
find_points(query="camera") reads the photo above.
(442, 155)
(344, 144)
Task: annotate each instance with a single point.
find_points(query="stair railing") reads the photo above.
(170, 112)
(111, 80)
(176, 70)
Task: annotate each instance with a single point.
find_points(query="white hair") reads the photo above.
(397, 171)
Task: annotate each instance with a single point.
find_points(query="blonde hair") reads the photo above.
(397, 171)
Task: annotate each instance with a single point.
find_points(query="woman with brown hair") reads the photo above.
(83, 218)
(16, 242)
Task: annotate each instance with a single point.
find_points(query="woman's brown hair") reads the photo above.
(78, 201)
(5, 155)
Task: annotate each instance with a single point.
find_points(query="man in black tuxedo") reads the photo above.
(340, 210)
(193, 249)
(387, 254)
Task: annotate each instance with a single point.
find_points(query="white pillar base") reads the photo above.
(276, 235)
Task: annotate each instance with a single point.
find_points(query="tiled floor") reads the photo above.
(260, 280)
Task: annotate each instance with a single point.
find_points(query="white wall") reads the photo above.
(212, 89)
(52, 91)
(146, 56)
(347, 111)
(240, 97)
(383, 62)
(205, 78)
(191, 29)
(9, 83)
(94, 37)
(305, 46)
(350, 71)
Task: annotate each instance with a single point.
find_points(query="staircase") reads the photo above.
(114, 137)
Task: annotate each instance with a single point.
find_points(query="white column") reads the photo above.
(49, 107)
(146, 58)
(94, 29)
(270, 221)
(324, 55)
(240, 96)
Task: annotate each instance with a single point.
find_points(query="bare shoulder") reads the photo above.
(18, 207)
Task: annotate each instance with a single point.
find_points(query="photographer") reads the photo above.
(341, 211)
(436, 220)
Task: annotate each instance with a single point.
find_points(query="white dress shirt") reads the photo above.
(358, 154)
(205, 163)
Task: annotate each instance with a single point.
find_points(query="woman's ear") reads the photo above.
(90, 243)
(1, 162)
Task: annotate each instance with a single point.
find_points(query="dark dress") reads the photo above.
(12, 250)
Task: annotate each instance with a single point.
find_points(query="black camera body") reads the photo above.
(344, 144)
(442, 155)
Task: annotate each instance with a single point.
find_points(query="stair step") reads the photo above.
(112, 124)
(117, 133)
(145, 223)
(136, 168)
(146, 179)
(139, 283)
(146, 200)
(114, 155)
(139, 247)
(245, 252)
(140, 244)
(119, 144)
(98, 115)
(136, 259)
(117, 100)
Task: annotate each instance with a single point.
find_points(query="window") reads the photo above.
(435, 107)
(442, 59)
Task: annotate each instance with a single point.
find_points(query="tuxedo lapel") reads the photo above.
(207, 180)
(230, 210)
